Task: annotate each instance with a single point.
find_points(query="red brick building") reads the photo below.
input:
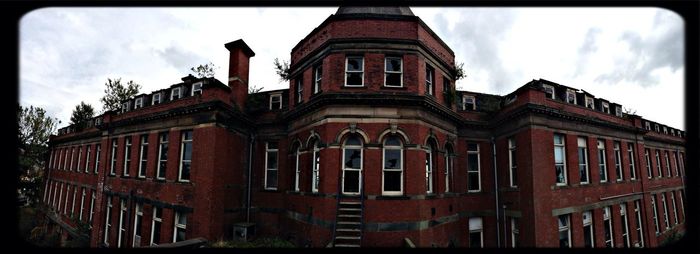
(371, 146)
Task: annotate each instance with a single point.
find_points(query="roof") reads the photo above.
(403, 11)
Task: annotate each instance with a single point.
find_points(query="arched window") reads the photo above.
(297, 169)
(352, 165)
(449, 166)
(429, 166)
(392, 177)
(316, 166)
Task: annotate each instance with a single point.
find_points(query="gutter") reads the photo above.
(495, 188)
(248, 176)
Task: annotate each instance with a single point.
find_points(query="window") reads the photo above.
(98, 152)
(630, 153)
(122, 225)
(46, 191)
(473, 168)
(618, 161)
(271, 166)
(665, 130)
(82, 204)
(138, 103)
(673, 132)
(476, 229)
(449, 166)
(92, 208)
(514, 232)
(65, 160)
(275, 101)
(468, 102)
(663, 203)
(126, 106)
(156, 99)
(65, 205)
(392, 177)
(196, 88)
(299, 89)
(72, 154)
(668, 164)
(583, 160)
(559, 159)
(138, 218)
(446, 85)
(588, 232)
(606, 107)
(658, 164)
(352, 164)
(185, 157)
(143, 156)
(656, 127)
(429, 79)
(297, 169)
(682, 164)
(680, 200)
(654, 215)
(650, 174)
(675, 157)
(393, 72)
(513, 163)
(53, 152)
(318, 75)
(55, 191)
(60, 197)
(602, 161)
(162, 155)
(180, 227)
(316, 170)
(589, 102)
(549, 91)
(564, 231)
(570, 96)
(127, 156)
(108, 219)
(618, 111)
(429, 169)
(155, 225)
(80, 156)
(354, 71)
(175, 94)
(638, 216)
(113, 165)
(607, 223)
(625, 226)
(673, 204)
(647, 126)
(72, 203)
(87, 159)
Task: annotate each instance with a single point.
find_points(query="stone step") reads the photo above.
(347, 230)
(347, 245)
(350, 209)
(349, 216)
(347, 238)
(348, 223)
(349, 203)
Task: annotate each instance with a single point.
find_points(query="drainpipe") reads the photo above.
(495, 187)
(249, 175)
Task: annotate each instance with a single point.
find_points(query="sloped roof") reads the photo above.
(404, 11)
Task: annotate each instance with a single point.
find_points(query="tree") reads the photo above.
(205, 71)
(282, 69)
(459, 72)
(115, 93)
(35, 127)
(81, 114)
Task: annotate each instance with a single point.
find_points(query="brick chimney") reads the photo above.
(238, 69)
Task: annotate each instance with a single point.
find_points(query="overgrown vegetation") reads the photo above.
(82, 113)
(256, 100)
(673, 238)
(264, 242)
(282, 69)
(116, 92)
(205, 71)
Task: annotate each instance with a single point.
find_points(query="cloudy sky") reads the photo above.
(631, 56)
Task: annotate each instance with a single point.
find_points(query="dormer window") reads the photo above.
(656, 127)
(138, 103)
(275, 101)
(197, 88)
(468, 102)
(549, 90)
(589, 103)
(98, 121)
(175, 94)
(618, 111)
(125, 106)
(606, 108)
(570, 96)
(647, 126)
(156, 99)
(354, 71)
(673, 132)
(393, 72)
(665, 130)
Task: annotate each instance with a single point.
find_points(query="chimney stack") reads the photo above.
(238, 69)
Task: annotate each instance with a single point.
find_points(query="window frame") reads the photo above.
(155, 101)
(631, 155)
(605, 107)
(470, 171)
(143, 156)
(573, 95)
(561, 146)
(512, 162)
(591, 104)
(668, 164)
(625, 226)
(666, 219)
(87, 158)
(638, 217)
(429, 80)
(82, 204)
(650, 172)
(583, 165)
(127, 156)
(122, 225)
(138, 103)
(272, 101)
(344, 168)
(465, 98)
(299, 89)
(655, 216)
(197, 88)
(269, 150)
(449, 167)
(297, 169)
(564, 227)
(138, 224)
(318, 78)
(362, 72)
(316, 167)
(386, 148)
(172, 93)
(587, 221)
(155, 219)
(675, 211)
(602, 160)
(607, 221)
(551, 95)
(658, 164)
(98, 152)
(182, 162)
(162, 164)
(177, 226)
(108, 220)
(619, 171)
(387, 72)
(478, 221)
(113, 160)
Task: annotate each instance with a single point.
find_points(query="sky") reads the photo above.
(630, 56)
